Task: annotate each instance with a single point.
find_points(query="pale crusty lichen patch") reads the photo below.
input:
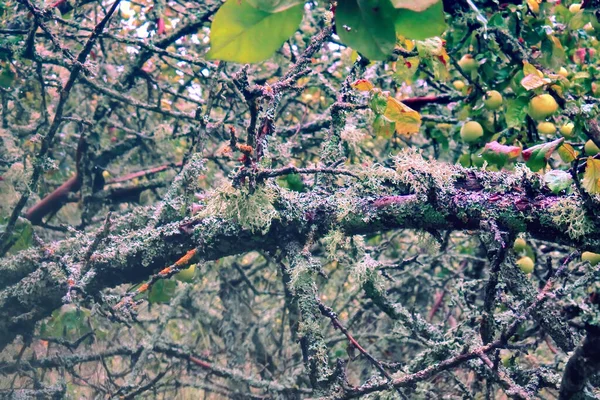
(252, 211)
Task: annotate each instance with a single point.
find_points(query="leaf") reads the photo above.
(413, 5)
(530, 69)
(163, 290)
(407, 120)
(241, 33)
(498, 154)
(421, 25)
(362, 85)
(69, 322)
(567, 153)
(579, 20)
(533, 81)
(591, 176)
(274, 6)
(558, 180)
(378, 102)
(516, 110)
(7, 76)
(553, 54)
(383, 127)
(367, 26)
(537, 156)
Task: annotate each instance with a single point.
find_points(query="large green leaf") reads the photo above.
(367, 26)
(516, 111)
(244, 34)
(421, 25)
(274, 6)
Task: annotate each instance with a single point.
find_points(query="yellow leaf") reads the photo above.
(530, 69)
(533, 81)
(567, 153)
(362, 85)
(591, 177)
(407, 120)
(534, 5)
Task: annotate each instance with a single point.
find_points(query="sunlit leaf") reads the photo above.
(533, 81)
(274, 6)
(362, 85)
(529, 69)
(591, 176)
(407, 120)
(537, 156)
(241, 33)
(567, 153)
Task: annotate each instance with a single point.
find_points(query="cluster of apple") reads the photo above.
(526, 256)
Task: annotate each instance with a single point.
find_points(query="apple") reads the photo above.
(458, 85)
(519, 245)
(526, 264)
(546, 128)
(567, 130)
(492, 100)
(542, 106)
(468, 64)
(590, 148)
(592, 258)
(471, 132)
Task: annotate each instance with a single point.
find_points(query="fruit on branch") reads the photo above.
(526, 264)
(468, 64)
(492, 100)
(575, 8)
(567, 130)
(563, 72)
(592, 258)
(471, 132)
(546, 128)
(519, 245)
(458, 85)
(542, 106)
(590, 148)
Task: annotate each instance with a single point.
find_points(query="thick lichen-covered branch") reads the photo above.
(418, 194)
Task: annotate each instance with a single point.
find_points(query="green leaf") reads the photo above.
(241, 33)
(421, 25)
(591, 176)
(516, 110)
(537, 156)
(69, 322)
(367, 26)
(558, 180)
(274, 6)
(383, 127)
(7, 77)
(163, 290)
(579, 20)
(498, 154)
